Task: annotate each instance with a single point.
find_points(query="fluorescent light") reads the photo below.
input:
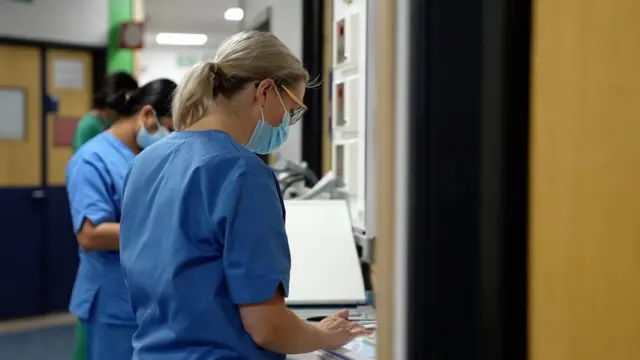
(181, 39)
(234, 14)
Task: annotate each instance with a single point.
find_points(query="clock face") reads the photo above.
(132, 36)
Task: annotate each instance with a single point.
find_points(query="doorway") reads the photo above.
(39, 258)
(22, 218)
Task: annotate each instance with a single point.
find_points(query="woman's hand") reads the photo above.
(340, 331)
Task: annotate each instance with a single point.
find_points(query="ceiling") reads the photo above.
(201, 16)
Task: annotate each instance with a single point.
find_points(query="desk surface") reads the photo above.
(303, 357)
(319, 357)
(359, 311)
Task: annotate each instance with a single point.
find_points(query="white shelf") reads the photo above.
(349, 125)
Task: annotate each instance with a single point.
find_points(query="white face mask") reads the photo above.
(266, 138)
(144, 139)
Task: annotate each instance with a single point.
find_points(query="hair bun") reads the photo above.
(119, 103)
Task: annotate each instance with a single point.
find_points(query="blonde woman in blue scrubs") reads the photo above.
(203, 244)
(95, 176)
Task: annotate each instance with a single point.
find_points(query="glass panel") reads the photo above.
(13, 115)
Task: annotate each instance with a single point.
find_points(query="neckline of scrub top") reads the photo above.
(118, 143)
(184, 133)
(105, 124)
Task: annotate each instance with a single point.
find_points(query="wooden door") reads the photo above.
(21, 194)
(585, 181)
(74, 95)
(75, 102)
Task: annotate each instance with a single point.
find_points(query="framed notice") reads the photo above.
(68, 74)
(63, 129)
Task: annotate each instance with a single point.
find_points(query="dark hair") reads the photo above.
(157, 93)
(118, 82)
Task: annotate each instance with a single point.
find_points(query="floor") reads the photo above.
(49, 337)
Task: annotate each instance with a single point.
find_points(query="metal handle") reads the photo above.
(38, 194)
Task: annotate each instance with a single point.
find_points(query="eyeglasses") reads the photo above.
(296, 114)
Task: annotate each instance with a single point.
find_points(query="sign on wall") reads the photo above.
(68, 74)
(131, 35)
(63, 129)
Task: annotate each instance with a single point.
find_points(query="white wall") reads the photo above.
(82, 22)
(286, 23)
(160, 62)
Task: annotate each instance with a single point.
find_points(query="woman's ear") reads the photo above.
(262, 89)
(147, 116)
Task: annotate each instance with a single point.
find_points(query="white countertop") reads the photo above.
(303, 357)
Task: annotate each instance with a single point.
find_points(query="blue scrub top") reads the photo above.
(202, 232)
(95, 178)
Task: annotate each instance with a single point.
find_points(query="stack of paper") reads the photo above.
(359, 349)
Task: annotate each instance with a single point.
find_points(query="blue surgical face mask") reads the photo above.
(266, 138)
(146, 139)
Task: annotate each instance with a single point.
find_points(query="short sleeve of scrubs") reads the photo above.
(256, 250)
(89, 198)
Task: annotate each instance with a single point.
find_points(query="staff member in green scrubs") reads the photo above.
(93, 123)
(100, 118)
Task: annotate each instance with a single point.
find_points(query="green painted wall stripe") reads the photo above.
(118, 59)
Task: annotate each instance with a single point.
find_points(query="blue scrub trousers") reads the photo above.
(109, 341)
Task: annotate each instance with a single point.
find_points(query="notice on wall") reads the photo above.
(68, 74)
(63, 129)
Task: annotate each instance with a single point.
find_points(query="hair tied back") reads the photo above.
(119, 102)
(216, 78)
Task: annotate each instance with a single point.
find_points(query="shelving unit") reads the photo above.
(348, 127)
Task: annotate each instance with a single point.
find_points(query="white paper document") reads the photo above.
(68, 74)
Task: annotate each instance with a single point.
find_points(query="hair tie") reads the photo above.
(217, 78)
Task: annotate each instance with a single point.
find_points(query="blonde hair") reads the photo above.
(242, 58)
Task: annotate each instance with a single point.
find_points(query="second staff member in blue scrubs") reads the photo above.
(203, 243)
(95, 177)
